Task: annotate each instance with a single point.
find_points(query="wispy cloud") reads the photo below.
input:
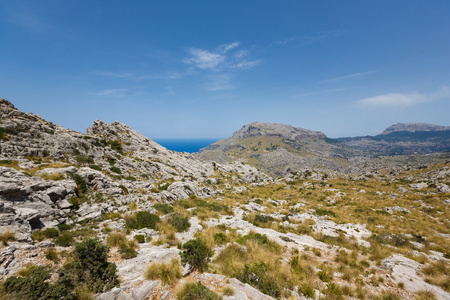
(27, 19)
(323, 92)
(404, 100)
(219, 82)
(225, 56)
(310, 39)
(346, 77)
(111, 92)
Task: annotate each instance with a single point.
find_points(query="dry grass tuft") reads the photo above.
(168, 272)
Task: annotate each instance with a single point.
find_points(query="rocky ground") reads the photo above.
(378, 233)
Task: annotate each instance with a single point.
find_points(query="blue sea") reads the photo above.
(185, 145)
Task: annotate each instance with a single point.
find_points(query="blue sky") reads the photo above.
(202, 69)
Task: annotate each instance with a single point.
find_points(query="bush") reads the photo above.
(323, 212)
(142, 219)
(92, 267)
(51, 254)
(255, 275)
(196, 291)
(308, 291)
(333, 291)
(95, 167)
(115, 145)
(179, 222)
(64, 240)
(168, 272)
(124, 189)
(84, 159)
(116, 170)
(196, 254)
(50, 233)
(81, 184)
(220, 238)
(163, 208)
(34, 286)
(140, 238)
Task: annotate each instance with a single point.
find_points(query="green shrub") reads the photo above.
(116, 170)
(35, 287)
(65, 239)
(324, 212)
(163, 208)
(325, 276)
(124, 189)
(63, 227)
(255, 275)
(180, 222)
(142, 219)
(196, 291)
(51, 254)
(115, 145)
(196, 254)
(81, 184)
(220, 238)
(333, 291)
(84, 159)
(259, 238)
(92, 267)
(307, 290)
(140, 238)
(45, 153)
(95, 167)
(50, 233)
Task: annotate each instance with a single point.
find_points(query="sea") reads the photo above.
(185, 145)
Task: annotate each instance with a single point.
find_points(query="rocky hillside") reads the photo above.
(414, 127)
(110, 214)
(279, 149)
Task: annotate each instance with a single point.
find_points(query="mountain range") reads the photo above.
(273, 212)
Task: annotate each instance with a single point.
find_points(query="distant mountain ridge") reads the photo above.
(414, 127)
(278, 148)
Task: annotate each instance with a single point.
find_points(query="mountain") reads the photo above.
(110, 214)
(414, 127)
(279, 149)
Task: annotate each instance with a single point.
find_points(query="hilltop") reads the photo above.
(279, 149)
(111, 214)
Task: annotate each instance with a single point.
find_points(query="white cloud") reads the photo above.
(226, 56)
(403, 100)
(227, 47)
(204, 59)
(345, 77)
(309, 39)
(115, 92)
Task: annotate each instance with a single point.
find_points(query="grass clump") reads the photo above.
(167, 272)
(142, 219)
(196, 291)
(7, 236)
(65, 239)
(180, 222)
(163, 208)
(256, 275)
(196, 254)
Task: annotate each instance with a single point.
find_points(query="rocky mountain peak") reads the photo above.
(5, 105)
(413, 127)
(276, 129)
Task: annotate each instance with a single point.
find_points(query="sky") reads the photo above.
(203, 69)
